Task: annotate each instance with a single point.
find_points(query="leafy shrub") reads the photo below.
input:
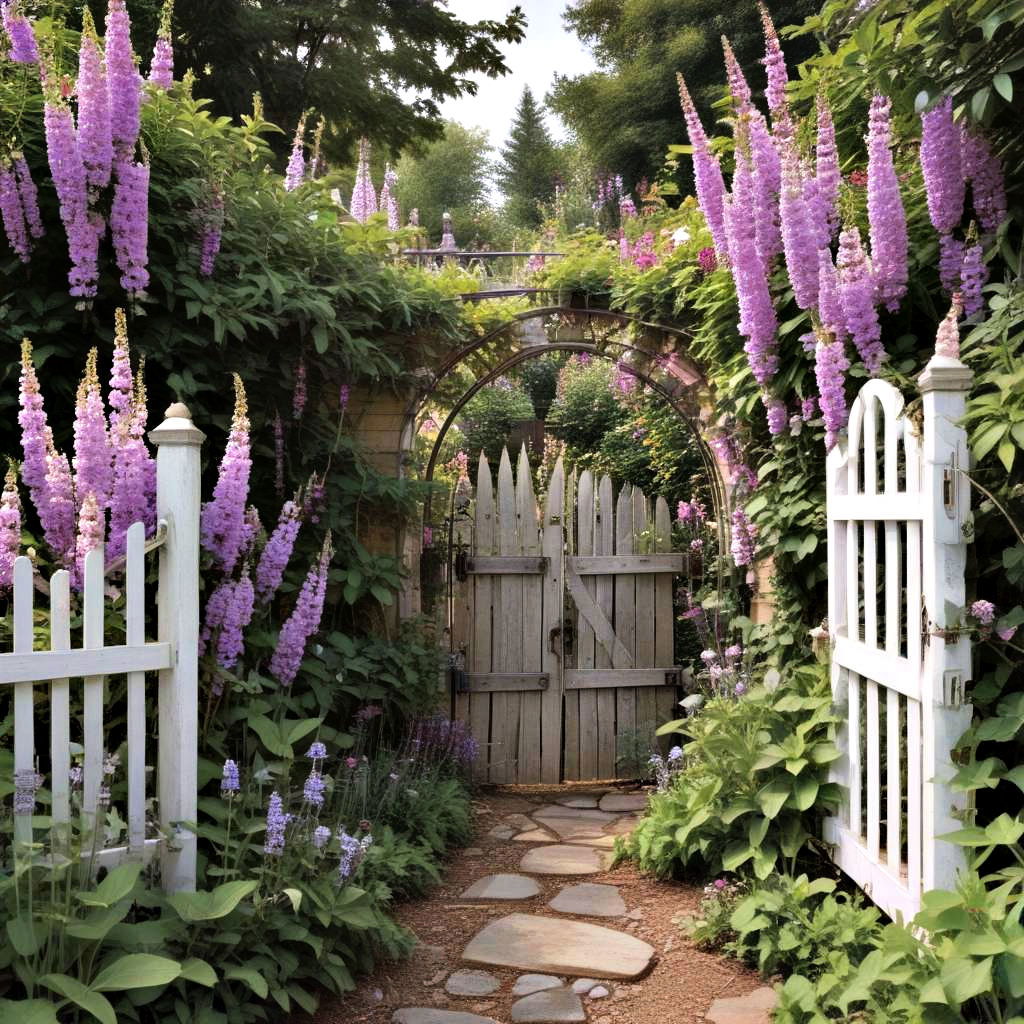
(753, 787)
(488, 418)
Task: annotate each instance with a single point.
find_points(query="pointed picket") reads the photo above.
(529, 755)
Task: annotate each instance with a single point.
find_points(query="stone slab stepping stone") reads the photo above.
(551, 945)
(581, 802)
(571, 828)
(755, 1008)
(619, 802)
(527, 984)
(432, 1015)
(472, 983)
(624, 826)
(601, 842)
(536, 835)
(581, 813)
(589, 900)
(564, 860)
(502, 887)
(502, 832)
(555, 1006)
(518, 821)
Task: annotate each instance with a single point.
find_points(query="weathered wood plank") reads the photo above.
(639, 564)
(604, 544)
(509, 682)
(643, 541)
(581, 709)
(551, 700)
(509, 628)
(504, 565)
(601, 678)
(463, 616)
(533, 621)
(664, 617)
(604, 631)
(481, 651)
(625, 613)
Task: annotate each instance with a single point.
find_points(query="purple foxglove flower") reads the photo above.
(222, 523)
(277, 551)
(229, 782)
(799, 240)
(313, 790)
(321, 836)
(90, 536)
(973, 275)
(133, 495)
(215, 612)
(161, 67)
(278, 459)
(886, 219)
(299, 394)
(984, 171)
(295, 172)
(121, 384)
(93, 108)
(739, 90)
(951, 261)
(830, 366)
(768, 179)
(13, 214)
(20, 34)
(778, 415)
(303, 622)
(237, 615)
(129, 223)
(684, 512)
(10, 528)
(29, 197)
(775, 66)
(808, 407)
(252, 531)
(942, 167)
(857, 296)
(389, 200)
(830, 308)
(947, 337)
(757, 322)
(124, 83)
(984, 612)
(743, 538)
(94, 471)
(35, 432)
(827, 174)
(317, 751)
(277, 822)
(364, 197)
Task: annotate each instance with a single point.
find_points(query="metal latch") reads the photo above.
(672, 677)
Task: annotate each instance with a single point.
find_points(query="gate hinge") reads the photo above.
(953, 695)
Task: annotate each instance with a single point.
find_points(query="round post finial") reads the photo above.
(177, 411)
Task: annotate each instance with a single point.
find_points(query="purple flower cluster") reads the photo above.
(237, 615)
(942, 167)
(277, 551)
(389, 199)
(20, 34)
(93, 457)
(317, 751)
(827, 176)
(438, 739)
(295, 172)
(211, 225)
(93, 108)
(352, 852)
(123, 81)
(364, 197)
(299, 393)
(642, 254)
(321, 836)
(707, 260)
(983, 170)
(947, 337)
(277, 823)
(707, 173)
(778, 415)
(13, 214)
(129, 223)
(743, 540)
(222, 524)
(89, 536)
(857, 298)
(830, 366)
(973, 275)
(799, 238)
(10, 528)
(303, 622)
(775, 66)
(161, 67)
(29, 197)
(229, 782)
(984, 612)
(314, 788)
(886, 219)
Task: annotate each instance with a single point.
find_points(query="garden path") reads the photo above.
(531, 925)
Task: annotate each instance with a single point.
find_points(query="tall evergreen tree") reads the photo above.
(526, 173)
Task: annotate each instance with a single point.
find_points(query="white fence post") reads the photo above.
(178, 442)
(947, 662)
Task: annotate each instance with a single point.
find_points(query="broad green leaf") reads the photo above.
(770, 798)
(28, 1011)
(113, 888)
(805, 790)
(1004, 830)
(250, 977)
(208, 906)
(963, 978)
(198, 971)
(21, 931)
(136, 970)
(735, 854)
(295, 896)
(92, 1002)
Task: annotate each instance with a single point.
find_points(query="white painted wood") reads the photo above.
(901, 674)
(135, 634)
(854, 757)
(874, 783)
(876, 506)
(893, 783)
(914, 795)
(93, 609)
(24, 712)
(60, 713)
(178, 442)
(42, 666)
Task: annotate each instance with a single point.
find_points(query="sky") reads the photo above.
(547, 48)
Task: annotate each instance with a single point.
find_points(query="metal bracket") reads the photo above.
(672, 677)
(953, 688)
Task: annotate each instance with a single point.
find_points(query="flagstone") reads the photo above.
(755, 1008)
(554, 1006)
(568, 828)
(624, 825)
(527, 984)
(432, 1015)
(580, 802)
(536, 835)
(619, 802)
(602, 842)
(564, 860)
(559, 946)
(471, 983)
(519, 821)
(502, 887)
(589, 900)
(581, 813)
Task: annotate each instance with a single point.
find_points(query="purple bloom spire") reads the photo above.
(124, 83)
(798, 234)
(129, 223)
(35, 431)
(161, 67)
(29, 197)
(90, 536)
(303, 622)
(93, 108)
(778, 416)
(942, 167)
(775, 66)
(214, 613)
(364, 198)
(13, 214)
(92, 461)
(19, 31)
(299, 394)
(830, 308)
(237, 616)
(277, 822)
(222, 525)
(211, 225)
(886, 219)
(10, 527)
(827, 174)
(229, 781)
(707, 172)
(295, 172)
(857, 295)
(277, 551)
(984, 171)
(743, 538)
(60, 512)
(973, 275)
(757, 321)
(388, 199)
(121, 384)
(313, 789)
(739, 90)
(830, 366)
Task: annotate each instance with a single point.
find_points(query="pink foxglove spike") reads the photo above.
(947, 338)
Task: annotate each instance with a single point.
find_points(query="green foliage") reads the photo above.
(753, 788)
(487, 419)
(526, 172)
(586, 268)
(586, 408)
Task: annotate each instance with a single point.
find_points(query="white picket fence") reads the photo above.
(174, 655)
(897, 503)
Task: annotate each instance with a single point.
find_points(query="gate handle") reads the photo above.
(555, 633)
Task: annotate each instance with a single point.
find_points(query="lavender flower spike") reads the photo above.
(886, 219)
(277, 551)
(12, 213)
(124, 83)
(20, 33)
(229, 783)
(30, 197)
(856, 293)
(10, 528)
(830, 366)
(296, 170)
(129, 222)
(827, 174)
(277, 822)
(93, 108)
(92, 462)
(161, 68)
(303, 622)
(942, 167)
(798, 234)
(775, 65)
(364, 198)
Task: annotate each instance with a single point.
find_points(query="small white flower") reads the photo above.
(681, 235)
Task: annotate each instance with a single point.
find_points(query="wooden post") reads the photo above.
(178, 442)
(947, 662)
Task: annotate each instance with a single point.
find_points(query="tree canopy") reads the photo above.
(627, 112)
(371, 67)
(526, 172)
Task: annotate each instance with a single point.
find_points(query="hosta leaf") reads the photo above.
(250, 977)
(208, 906)
(92, 1002)
(114, 887)
(136, 970)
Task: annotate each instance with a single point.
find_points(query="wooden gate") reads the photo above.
(897, 503)
(562, 625)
